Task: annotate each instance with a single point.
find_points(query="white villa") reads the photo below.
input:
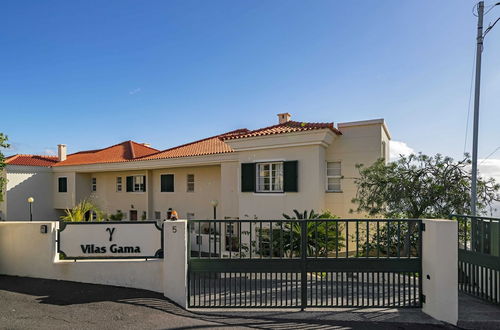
(244, 173)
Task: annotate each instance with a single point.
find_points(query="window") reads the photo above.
(62, 184)
(383, 150)
(119, 183)
(167, 183)
(94, 184)
(190, 183)
(333, 176)
(157, 215)
(136, 183)
(270, 177)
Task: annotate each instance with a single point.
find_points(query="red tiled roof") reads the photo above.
(132, 151)
(122, 152)
(288, 127)
(208, 146)
(31, 160)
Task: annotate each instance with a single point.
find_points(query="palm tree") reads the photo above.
(81, 211)
(322, 237)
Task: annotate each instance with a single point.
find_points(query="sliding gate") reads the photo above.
(479, 257)
(305, 263)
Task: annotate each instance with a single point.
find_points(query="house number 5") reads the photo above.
(174, 229)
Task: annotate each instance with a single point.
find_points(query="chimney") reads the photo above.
(284, 117)
(147, 145)
(61, 152)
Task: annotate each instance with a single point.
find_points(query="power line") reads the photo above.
(490, 7)
(470, 100)
(491, 154)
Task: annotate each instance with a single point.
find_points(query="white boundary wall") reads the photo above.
(25, 251)
(440, 269)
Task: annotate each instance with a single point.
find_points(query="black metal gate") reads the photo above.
(479, 257)
(305, 263)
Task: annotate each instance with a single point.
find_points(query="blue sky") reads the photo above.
(94, 73)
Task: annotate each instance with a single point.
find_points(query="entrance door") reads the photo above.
(133, 215)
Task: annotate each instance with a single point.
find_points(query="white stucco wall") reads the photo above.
(24, 251)
(310, 193)
(207, 187)
(110, 200)
(64, 200)
(24, 182)
(358, 144)
(440, 269)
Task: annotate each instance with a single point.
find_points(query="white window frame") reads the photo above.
(119, 185)
(273, 188)
(142, 178)
(189, 182)
(339, 177)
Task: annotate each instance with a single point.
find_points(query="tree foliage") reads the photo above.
(3, 145)
(323, 237)
(418, 186)
(83, 212)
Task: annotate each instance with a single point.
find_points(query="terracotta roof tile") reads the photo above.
(31, 160)
(208, 146)
(122, 152)
(288, 127)
(133, 151)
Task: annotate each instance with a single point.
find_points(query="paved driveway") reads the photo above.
(27, 303)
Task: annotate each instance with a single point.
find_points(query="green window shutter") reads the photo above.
(248, 177)
(130, 183)
(63, 185)
(290, 176)
(167, 183)
(144, 180)
(163, 183)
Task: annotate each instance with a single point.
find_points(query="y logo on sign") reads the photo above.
(111, 232)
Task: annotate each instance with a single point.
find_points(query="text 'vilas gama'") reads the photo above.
(113, 248)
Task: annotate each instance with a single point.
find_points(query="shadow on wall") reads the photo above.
(36, 185)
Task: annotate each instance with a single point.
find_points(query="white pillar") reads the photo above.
(440, 269)
(175, 262)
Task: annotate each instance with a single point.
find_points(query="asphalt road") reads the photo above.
(28, 303)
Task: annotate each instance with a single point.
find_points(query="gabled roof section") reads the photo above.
(133, 151)
(122, 152)
(288, 127)
(208, 146)
(31, 160)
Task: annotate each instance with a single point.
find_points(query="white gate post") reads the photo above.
(175, 262)
(440, 269)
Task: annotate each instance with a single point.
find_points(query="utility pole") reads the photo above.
(479, 50)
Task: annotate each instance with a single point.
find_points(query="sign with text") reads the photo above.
(110, 240)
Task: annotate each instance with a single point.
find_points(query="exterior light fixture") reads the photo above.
(214, 204)
(30, 201)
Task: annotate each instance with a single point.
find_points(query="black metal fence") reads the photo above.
(305, 263)
(479, 256)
